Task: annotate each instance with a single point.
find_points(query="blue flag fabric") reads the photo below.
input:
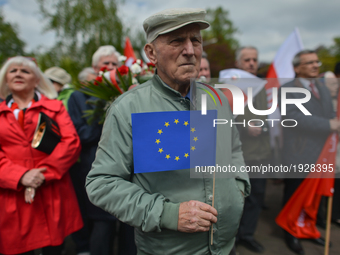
(174, 140)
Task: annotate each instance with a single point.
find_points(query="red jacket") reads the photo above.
(54, 214)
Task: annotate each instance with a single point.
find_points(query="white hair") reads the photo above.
(104, 51)
(82, 76)
(239, 51)
(329, 74)
(44, 85)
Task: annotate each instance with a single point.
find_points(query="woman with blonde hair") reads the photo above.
(38, 204)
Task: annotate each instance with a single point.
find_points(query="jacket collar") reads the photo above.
(10, 101)
(44, 102)
(48, 104)
(165, 89)
(170, 93)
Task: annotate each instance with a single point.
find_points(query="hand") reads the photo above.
(254, 131)
(29, 195)
(195, 216)
(335, 125)
(33, 178)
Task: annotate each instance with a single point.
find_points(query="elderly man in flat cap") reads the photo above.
(171, 212)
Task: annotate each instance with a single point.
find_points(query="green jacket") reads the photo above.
(255, 148)
(150, 201)
(65, 95)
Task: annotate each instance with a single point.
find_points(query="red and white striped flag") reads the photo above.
(129, 53)
(279, 73)
(282, 67)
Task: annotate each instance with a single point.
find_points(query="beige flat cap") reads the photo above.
(171, 19)
(58, 74)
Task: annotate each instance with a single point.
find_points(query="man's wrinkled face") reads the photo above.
(308, 67)
(248, 61)
(178, 55)
(110, 62)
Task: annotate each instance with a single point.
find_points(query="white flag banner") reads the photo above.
(281, 71)
(242, 80)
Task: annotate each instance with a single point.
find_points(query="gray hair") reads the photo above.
(104, 51)
(82, 76)
(329, 74)
(44, 84)
(239, 50)
(297, 58)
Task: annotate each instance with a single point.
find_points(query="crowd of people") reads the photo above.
(86, 187)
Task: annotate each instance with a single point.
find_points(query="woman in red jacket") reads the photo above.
(38, 204)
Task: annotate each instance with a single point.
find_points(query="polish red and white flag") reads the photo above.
(282, 67)
(129, 53)
(280, 72)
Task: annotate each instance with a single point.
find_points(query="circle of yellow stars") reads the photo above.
(167, 124)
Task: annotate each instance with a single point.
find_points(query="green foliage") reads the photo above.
(105, 92)
(138, 40)
(221, 27)
(10, 44)
(81, 27)
(329, 56)
(56, 57)
(327, 59)
(218, 40)
(220, 56)
(336, 48)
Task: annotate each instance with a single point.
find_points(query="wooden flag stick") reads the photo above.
(328, 225)
(212, 204)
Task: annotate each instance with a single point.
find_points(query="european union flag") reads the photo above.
(175, 140)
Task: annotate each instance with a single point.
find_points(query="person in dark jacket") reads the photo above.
(256, 151)
(99, 226)
(303, 143)
(96, 237)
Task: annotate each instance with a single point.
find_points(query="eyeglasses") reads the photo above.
(312, 62)
(113, 63)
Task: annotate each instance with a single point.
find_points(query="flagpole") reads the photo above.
(213, 201)
(328, 225)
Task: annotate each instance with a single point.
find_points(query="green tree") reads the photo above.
(81, 27)
(10, 44)
(329, 56)
(221, 27)
(336, 48)
(219, 41)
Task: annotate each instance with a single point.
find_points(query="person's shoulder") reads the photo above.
(289, 84)
(3, 106)
(77, 94)
(50, 104)
(78, 98)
